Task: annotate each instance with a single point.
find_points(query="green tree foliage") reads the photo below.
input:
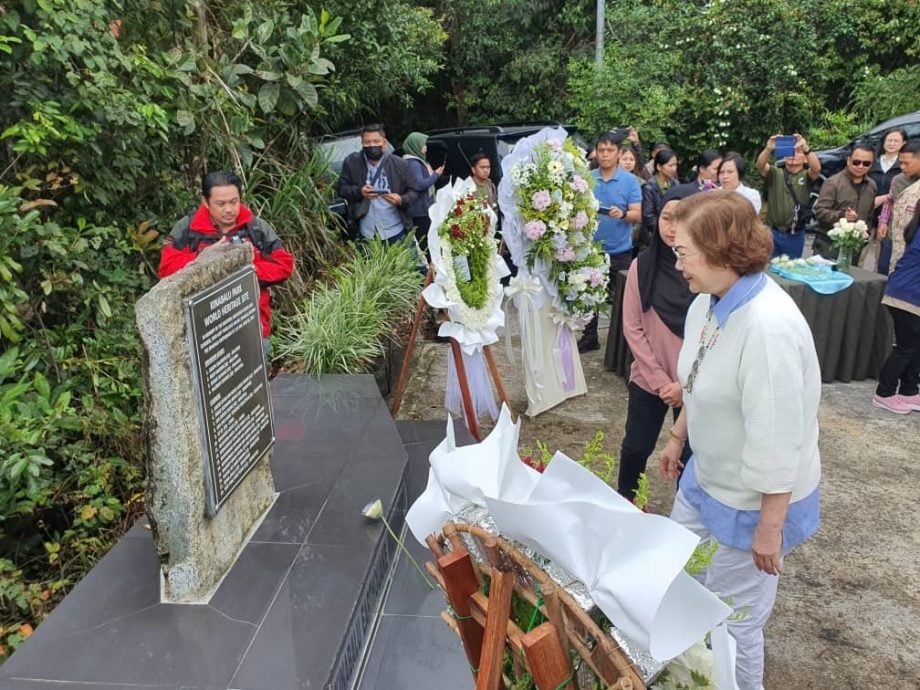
(75, 125)
(728, 73)
(394, 52)
(112, 112)
(882, 96)
(505, 58)
(69, 395)
(702, 74)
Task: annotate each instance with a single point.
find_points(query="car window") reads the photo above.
(504, 148)
(337, 150)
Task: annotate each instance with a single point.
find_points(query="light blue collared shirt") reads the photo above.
(621, 190)
(731, 526)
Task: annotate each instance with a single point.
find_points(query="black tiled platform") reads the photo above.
(411, 644)
(294, 611)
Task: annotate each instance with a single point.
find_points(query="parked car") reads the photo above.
(834, 160)
(453, 147)
(335, 149)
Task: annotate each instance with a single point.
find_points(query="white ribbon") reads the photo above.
(477, 382)
(527, 294)
(562, 321)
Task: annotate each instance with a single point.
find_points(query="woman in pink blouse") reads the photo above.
(655, 305)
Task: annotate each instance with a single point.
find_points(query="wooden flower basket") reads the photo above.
(569, 651)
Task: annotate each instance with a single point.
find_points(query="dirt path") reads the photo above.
(848, 611)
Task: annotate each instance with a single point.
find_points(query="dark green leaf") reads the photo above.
(268, 96)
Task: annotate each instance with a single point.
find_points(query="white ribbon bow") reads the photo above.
(528, 295)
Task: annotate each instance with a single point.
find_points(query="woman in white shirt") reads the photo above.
(731, 172)
(751, 390)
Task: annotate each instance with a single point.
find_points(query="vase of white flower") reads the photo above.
(844, 258)
(849, 237)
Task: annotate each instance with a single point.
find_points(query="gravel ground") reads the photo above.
(848, 610)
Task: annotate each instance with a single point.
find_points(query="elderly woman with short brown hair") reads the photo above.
(751, 390)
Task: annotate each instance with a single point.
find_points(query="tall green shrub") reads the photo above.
(70, 395)
(343, 326)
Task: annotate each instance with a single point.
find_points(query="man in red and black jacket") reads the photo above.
(222, 217)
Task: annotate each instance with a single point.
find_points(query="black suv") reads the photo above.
(455, 147)
(451, 147)
(834, 160)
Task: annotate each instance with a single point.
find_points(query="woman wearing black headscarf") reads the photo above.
(655, 305)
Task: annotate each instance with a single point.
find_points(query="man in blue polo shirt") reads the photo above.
(620, 197)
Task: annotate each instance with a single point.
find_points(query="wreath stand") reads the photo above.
(472, 423)
(486, 628)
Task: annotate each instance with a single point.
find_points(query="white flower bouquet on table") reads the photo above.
(849, 234)
(849, 237)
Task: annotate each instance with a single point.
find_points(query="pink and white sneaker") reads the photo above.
(911, 401)
(893, 403)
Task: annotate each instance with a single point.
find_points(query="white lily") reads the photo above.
(374, 511)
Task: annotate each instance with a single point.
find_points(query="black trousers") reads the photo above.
(618, 262)
(901, 371)
(644, 418)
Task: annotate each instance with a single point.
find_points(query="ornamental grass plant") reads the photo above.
(343, 326)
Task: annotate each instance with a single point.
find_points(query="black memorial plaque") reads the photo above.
(225, 338)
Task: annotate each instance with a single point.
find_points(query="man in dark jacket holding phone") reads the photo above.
(378, 187)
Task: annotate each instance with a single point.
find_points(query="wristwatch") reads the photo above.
(806, 152)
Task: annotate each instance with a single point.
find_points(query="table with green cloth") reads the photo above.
(852, 330)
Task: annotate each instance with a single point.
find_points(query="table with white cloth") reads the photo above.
(853, 332)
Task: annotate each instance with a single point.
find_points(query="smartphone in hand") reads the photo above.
(785, 146)
(604, 210)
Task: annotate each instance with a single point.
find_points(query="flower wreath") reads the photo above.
(468, 269)
(555, 213)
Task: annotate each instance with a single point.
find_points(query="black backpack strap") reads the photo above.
(788, 180)
(181, 236)
(178, 235)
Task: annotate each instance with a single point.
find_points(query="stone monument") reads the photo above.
(208, 419)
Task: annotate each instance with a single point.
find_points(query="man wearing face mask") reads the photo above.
(378, 187)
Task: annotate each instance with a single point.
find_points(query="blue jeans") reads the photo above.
(792, 245)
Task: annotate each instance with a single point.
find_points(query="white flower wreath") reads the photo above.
(471, 327)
